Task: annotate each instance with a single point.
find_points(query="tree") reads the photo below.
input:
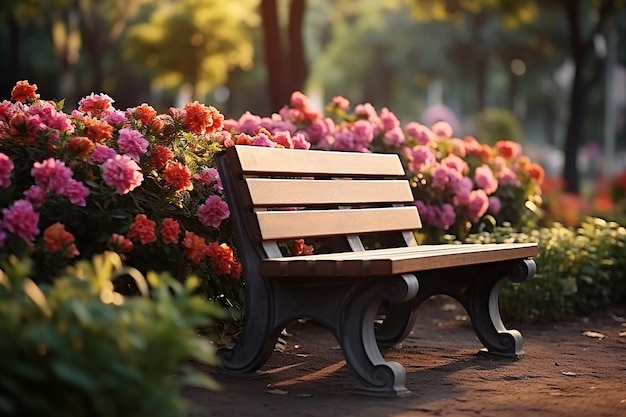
(195, 42)
(284, 51)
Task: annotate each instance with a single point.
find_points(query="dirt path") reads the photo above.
(562, 373)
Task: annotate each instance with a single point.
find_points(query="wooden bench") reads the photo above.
(278, 195)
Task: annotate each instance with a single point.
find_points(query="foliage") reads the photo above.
(135, 182)
(579, 270)
(495, 124)
(459, 185)
(77, 347)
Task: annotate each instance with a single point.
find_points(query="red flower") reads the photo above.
(535, 172)
(195, 247)
(170, 229)
(142, 230)
(24, 92)
(222, 259)
(161, 155)
(178, 176)
(300, 248)
(144, 113)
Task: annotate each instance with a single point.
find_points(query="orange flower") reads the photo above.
(177, 175)
(222, 259)
(24, 92)
(142, 230)
(98, 130)
(535, 172)
(508, 149)
(170, 229)
(57, 239)
(195, 247)
(80, 146)
(300, 248)
(160, 156)
(144, 113)
(243, 139)
(201, 119)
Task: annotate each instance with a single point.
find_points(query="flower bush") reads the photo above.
(132, 181)
(459, 184)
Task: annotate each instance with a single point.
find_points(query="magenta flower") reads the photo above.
(340, 102)
(132, 143)
(506, 176)
(6, 167)
(36, 195)
(76, 192)
(440, 175)
(213, 211)
(122, 173)
(388, 120)
(494, 205)
(455, 163)
(422, 157)
(483, 175)
(283, 137)
(462, 190)
(394, 137)
(116, 118)
(300, 142)
(21, 219)
(263, 140)
(102, 153)
(208, 176)
(7, 110)
(52, 175)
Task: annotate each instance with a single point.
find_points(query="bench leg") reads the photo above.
(355, 332)
(476, 288)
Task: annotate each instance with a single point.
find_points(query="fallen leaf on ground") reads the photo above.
(622, 333)
(595, 335)
(569, 373)
(277, 391)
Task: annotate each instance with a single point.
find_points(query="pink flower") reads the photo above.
(320, 128)
(300, 142)
(368, 112)
(422, 157)
(7, 110)
(51, 175)
(483, 175)
(388, 120)
(102, 153)
(21, 219)
(455, 163)
(394, 137)
(213, 211)
(132, 143)
(340, 102)
(36, 195)
(76, 192)
(116, 118)
(122, 173)
(494, 205)
(506, 176)
(447, 216)
(6, 167)
(363, 133)
(208, 176)
(440, 175)
(299, 100)
(95, 104)
(442, 129)
(283, 137)
(462, 190)
(263, 140)
(478, 205)
(422, 134)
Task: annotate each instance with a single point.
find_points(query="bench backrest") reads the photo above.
(284, 194)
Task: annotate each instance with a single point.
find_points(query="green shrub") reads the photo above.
(578, 270)
(78, 348)
(494, 124)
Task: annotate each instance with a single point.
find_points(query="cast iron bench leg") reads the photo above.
(476, 288)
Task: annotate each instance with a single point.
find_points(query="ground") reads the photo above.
(576, 367)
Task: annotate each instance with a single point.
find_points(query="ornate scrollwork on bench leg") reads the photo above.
(355, 333)
(481, 304)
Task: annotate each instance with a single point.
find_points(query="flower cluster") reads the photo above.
(132, 181)
(459, 184)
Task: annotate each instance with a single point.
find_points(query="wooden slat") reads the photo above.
(283, 192)
(298, 162)
(396, 260)
(279, 225)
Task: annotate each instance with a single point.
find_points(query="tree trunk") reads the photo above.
(286, 64)
(575, 132)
